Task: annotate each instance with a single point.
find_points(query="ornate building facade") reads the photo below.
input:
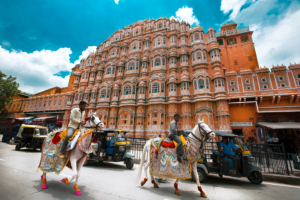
(145, 73)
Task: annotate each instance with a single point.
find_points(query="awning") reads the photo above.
(43, 118)
(280, 125)
(25, 118)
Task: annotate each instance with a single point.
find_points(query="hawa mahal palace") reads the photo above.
(142, 75)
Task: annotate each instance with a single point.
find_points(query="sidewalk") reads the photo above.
(291, 179)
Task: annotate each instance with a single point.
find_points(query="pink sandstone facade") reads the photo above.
(145, 73)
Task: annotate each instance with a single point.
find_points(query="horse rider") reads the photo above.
(174, 135)
(76, 119)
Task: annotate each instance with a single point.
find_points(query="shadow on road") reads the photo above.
(61, 191)
(27, 150)
(119, 166)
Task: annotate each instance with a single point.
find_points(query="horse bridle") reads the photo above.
(202, 132)
(91, 118)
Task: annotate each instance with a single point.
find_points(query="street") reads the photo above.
(19, 180)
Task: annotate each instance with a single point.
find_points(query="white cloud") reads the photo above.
(35, 71)
(6, 43)
(117, 1)
(275, 27)
(85, 53)
(232, 5)
(186, 14)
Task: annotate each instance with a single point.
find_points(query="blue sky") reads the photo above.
(41, 40)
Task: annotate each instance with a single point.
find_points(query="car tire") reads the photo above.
(18, 147)
(129, 163)
(202, 176)
(255, 177)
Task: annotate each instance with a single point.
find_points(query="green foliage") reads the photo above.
(8, 89)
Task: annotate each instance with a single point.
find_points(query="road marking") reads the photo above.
(292, 186)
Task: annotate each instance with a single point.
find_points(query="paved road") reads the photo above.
(19, 180)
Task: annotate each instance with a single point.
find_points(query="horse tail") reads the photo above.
(141, 163)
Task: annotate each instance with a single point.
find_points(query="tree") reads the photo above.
(8, 89)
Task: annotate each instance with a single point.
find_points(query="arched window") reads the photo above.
(163, 61)
(207, 84)
(162, 87)
(80, 96)
(164, 40)
(195, 84)
(193, 55)
(127, 89)
(131, 66)
(201, 84)
(158, 41)
(196, 36)
(137, 65)
(108, 92)
(192, 38)
(113, 70)
(76, 97)
(198, 55)
(152, 63)
(150, 89)
(155, 88)
(133, 89)
(108, 71)
(103, 93)
(157, 61)
(49, 103)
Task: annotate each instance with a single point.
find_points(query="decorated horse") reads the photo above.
(163, 161)
(78, 148)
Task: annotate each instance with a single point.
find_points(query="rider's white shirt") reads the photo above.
(76, 117)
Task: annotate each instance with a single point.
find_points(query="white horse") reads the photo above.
(200, 133)
(78, 156)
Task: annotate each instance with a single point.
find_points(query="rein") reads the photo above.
(196, 139)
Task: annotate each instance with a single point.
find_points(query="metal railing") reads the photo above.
(270, 157)
(233, 31)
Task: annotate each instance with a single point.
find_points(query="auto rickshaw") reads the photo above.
(110, 146)
(215, 163)
(31, 136)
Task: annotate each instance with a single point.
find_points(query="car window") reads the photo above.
(43, 131)
(28, 132)
(20, 131)
(37, 131)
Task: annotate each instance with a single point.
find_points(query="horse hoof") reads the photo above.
(156, 186)
(177, 192)
(203, 195)
(42, 177)
(65, 180)
(78, 192)
(143, 181)
(44, 186)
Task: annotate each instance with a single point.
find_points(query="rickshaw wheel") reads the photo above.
(129, 163)
(255, 177)
(202, 175)
(18, 147)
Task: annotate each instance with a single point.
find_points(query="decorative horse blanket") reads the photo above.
(163, 161)
(50, 160)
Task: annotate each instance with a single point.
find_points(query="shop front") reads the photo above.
(287, 133)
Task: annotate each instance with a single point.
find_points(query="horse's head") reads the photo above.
(203, 132)
(93, 121)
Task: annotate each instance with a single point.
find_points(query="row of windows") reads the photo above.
(44, 104)
(231, 41)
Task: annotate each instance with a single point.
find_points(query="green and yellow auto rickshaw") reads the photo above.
(31, 136)
(214, 161)
(110, 145)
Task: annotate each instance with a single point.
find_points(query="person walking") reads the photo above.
(174, 135)
(76, 119)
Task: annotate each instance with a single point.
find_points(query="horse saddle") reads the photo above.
(168, 143)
